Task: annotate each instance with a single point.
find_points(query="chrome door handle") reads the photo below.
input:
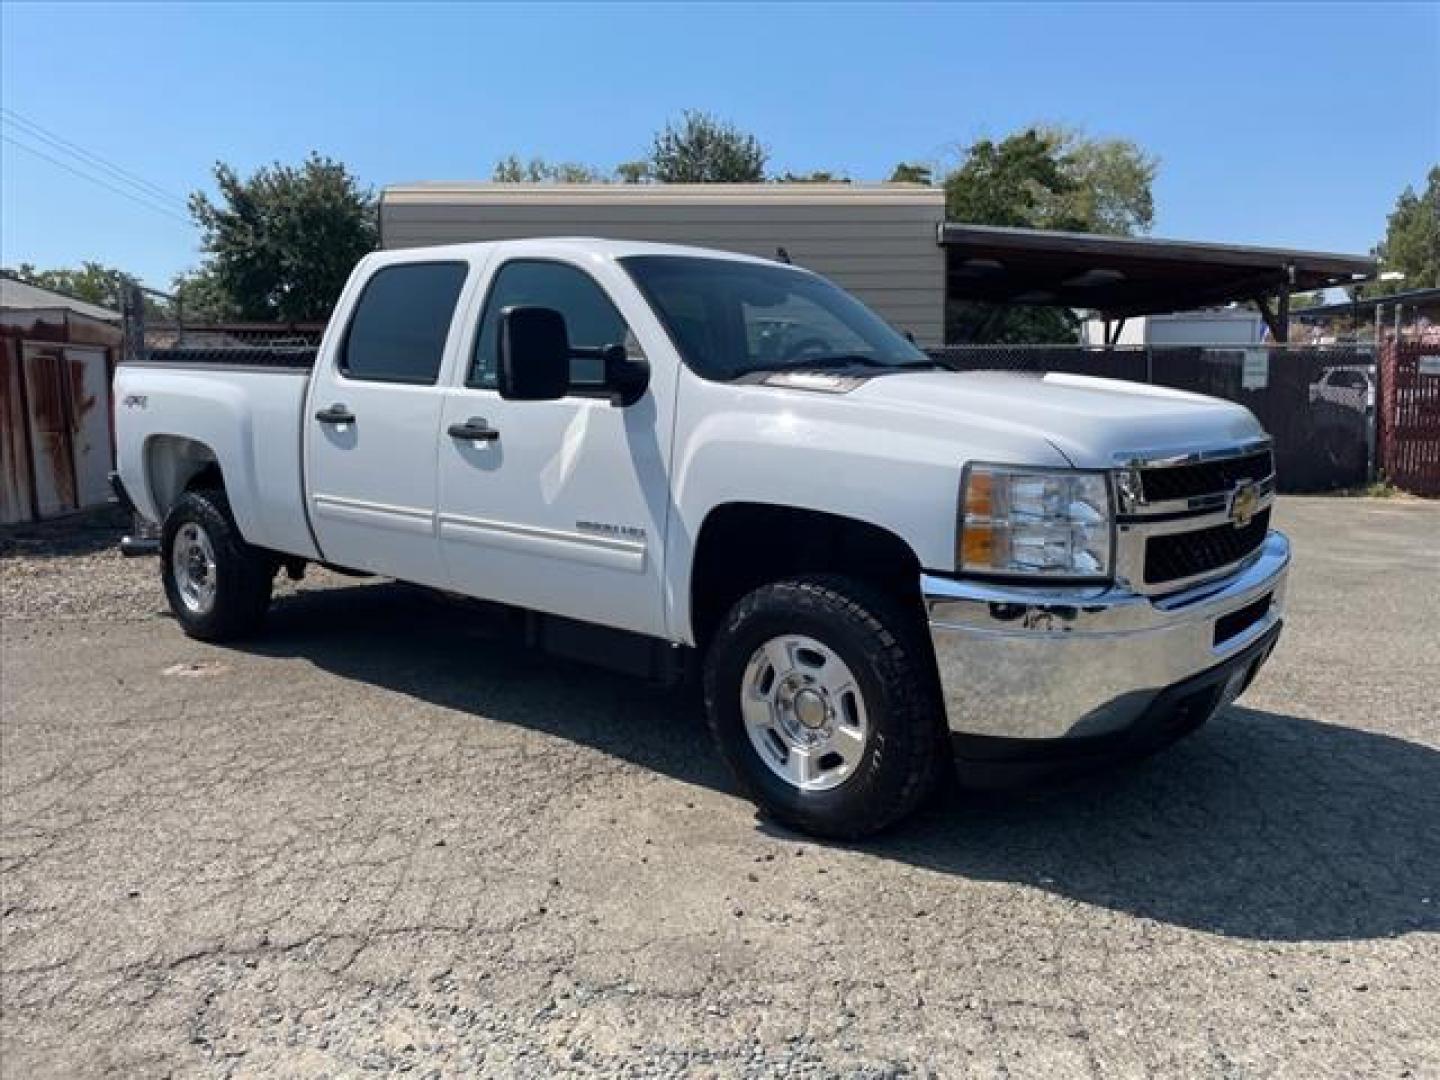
(335, 414)
(476, 429)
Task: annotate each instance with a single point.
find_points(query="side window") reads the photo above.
(398, 331)
(590, 317)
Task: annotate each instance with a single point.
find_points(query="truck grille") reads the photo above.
(1177, 556)
(1205, 478)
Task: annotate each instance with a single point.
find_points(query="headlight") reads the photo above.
(1022, 521)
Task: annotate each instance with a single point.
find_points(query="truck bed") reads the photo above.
(241, 408)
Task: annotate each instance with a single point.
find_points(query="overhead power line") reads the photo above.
(91, 159)
(100, 181)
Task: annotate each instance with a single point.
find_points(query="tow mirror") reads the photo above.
(626, 376)
(534, 361)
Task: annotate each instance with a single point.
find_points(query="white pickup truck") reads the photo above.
(663, 453)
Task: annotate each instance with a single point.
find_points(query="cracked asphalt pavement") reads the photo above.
(386, 839)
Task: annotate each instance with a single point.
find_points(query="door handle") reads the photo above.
(476, 429)
(335, 414)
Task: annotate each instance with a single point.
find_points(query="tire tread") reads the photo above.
(246, 573)
(902, 667)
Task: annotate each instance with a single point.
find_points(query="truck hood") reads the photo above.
(1086, 419)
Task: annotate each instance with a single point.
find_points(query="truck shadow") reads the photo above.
(1261, 825)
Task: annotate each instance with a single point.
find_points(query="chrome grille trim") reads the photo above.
(1137, 520)
(1140, 459)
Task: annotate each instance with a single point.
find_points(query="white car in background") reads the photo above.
(1350, 385)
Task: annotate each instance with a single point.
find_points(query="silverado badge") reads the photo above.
(1244, 504)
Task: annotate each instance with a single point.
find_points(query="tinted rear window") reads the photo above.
(400, 324)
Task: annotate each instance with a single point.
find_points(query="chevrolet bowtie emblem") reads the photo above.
(1244, 504)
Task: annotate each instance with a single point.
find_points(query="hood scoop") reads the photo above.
(821, 382)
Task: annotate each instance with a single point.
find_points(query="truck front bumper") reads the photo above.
(1049, 673)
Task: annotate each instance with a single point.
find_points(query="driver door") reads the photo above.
(561, 505)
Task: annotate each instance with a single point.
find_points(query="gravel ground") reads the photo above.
(383, 839)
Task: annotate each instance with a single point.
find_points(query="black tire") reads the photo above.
(243, 575)
(883, 646)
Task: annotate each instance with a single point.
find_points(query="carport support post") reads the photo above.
(1278, 321)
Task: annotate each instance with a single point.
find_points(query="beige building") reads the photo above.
(879, 241)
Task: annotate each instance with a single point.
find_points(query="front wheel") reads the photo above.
(217, 584)
(820, 698)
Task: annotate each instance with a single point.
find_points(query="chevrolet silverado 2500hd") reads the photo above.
(658, 453)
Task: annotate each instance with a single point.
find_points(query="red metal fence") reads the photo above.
(1409, 430)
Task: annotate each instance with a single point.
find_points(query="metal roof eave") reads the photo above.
(1351, 267)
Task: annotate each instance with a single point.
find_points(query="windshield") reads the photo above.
(729, 319)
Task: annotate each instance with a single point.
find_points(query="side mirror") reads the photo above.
(534, 360)
(626, 377)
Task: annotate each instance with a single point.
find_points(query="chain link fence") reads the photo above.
(249, 344)
(1317, 402)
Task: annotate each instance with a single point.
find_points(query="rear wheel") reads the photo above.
(217, 584)
(820, 698)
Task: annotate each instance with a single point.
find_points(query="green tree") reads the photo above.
(1109, 189)
(1055, 178)
(282, 242)
(1007, 183)
(1412, 240)
(93, 282)
(200, 297)
(700, 149)
(633, 172)
(819, 176)
(908, 172)
(1045, 178)
(511, 170)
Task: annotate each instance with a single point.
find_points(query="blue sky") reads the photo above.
(1292, 124)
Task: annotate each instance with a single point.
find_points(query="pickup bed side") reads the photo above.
(175, 423)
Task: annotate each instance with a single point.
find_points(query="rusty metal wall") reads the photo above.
(48, 426)
(15, 488)
(56, 433)
(1410, 415)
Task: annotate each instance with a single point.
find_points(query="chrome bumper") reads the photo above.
(1058, 664)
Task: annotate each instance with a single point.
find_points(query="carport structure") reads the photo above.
(1123, 276)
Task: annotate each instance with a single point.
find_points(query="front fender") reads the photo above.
(901, 483)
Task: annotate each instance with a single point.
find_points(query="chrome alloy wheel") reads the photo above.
(192, 561)
(804, 712)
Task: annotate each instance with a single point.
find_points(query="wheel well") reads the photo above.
(174, 465)
(744, 545)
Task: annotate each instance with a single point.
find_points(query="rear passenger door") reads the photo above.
(373, 421)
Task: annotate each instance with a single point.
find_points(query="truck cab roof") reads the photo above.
(572, 245)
